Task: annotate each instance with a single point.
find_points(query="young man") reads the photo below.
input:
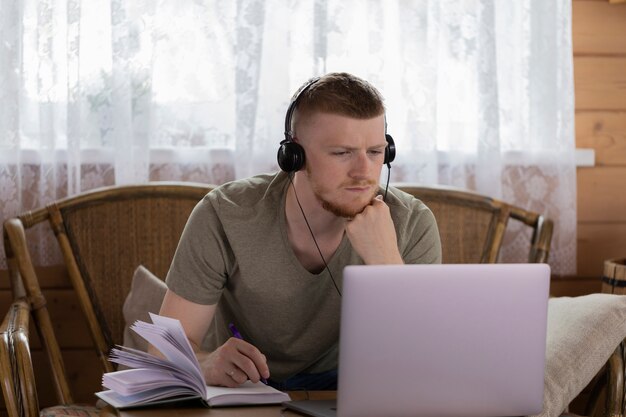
(267, 253)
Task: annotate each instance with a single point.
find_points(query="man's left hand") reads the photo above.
(373, 236)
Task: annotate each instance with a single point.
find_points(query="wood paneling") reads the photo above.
(84, 374)
(49, 277)
(601, 196)
(69, 325)
(605, 132)
(573, 286)
(598, 242)
(600, 83)
(599, 40)
(598, 27)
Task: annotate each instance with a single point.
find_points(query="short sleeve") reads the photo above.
(421, 236)
(203, 259)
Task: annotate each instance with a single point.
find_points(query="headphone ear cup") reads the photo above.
(390, 149)
(290, 156)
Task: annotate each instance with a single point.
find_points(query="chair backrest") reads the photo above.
(472, 226)
(104, 235)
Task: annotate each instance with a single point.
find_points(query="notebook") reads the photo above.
(445, 340)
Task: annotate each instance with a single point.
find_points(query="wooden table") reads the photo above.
(199, 411)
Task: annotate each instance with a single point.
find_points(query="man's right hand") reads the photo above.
(233, 363)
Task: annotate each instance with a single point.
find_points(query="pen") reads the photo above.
(237, 335)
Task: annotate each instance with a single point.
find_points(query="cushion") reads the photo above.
(582, 334)
(145, 296)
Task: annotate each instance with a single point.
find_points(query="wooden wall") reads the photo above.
(599, 32)
(599, 37)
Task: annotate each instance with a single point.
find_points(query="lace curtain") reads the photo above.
(92, 93)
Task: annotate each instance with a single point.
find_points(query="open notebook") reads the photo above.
(445, 340)
(176, 377)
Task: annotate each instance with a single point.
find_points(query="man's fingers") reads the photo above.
(234, 363)
(246, 358)
(238, 375)
(252, 362)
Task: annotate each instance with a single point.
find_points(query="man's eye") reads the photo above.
(376, 152)
(340, 153)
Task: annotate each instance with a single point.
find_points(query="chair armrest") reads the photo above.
(25, 284)
(16, 367)
(21, 268)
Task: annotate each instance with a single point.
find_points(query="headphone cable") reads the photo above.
(312, 235)
(387, 185)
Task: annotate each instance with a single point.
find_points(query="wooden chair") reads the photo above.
(103, 235)
(472, 226)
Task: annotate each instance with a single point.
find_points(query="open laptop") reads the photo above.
(440, 340)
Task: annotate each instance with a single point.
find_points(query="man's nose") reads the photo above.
(360, 165)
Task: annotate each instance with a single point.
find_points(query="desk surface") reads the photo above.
(247, 411)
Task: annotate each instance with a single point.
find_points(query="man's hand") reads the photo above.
(233, 363)
(373, 236)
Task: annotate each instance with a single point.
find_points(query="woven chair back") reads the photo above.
(111, 234)
(104, 235)
(472, 226)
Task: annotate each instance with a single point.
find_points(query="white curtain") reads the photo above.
(479, 95)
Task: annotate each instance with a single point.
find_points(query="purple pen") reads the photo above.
(237, 335)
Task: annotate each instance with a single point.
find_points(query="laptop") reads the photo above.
(440, 340)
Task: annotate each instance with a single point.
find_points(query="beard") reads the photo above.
(342, 209)
(339, 210)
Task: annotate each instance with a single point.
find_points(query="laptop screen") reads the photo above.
(447, 340)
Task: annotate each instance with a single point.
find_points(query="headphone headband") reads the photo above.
(292, 107)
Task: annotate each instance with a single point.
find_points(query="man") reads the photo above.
(267, 253)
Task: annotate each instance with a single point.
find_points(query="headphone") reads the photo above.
(291, 154)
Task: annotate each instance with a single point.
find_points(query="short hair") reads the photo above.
(339, 93)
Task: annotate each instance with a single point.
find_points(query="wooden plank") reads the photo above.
(605, 132)
(598, 242)
(84, 375)
(573, 286)
(69, 324)
(601, 196)
(49, 277)
(598, 28)
(600, 83)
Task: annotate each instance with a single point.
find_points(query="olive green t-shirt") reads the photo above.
(234, 251)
